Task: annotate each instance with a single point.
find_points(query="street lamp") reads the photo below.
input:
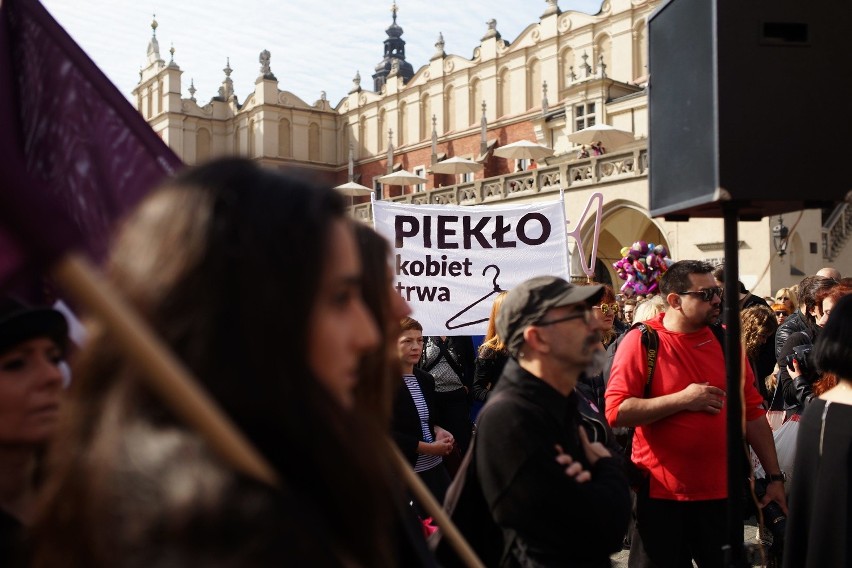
(779, 237)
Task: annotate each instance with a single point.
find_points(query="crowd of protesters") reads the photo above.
(583, 444)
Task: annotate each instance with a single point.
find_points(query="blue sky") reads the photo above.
(315, 45)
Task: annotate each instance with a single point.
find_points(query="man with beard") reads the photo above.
(558, 498)
(680, 437)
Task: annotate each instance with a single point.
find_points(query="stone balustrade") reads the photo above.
(563, 173)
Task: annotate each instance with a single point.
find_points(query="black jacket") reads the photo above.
(550, 519)
(795, 322)
(405, 421)
(489, 365)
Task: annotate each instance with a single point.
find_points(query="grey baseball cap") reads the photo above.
(527, 303)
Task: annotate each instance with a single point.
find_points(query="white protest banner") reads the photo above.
(449, 262)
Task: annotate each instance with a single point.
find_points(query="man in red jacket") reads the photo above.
(680, 437)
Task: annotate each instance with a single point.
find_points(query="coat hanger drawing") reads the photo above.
(497, 289)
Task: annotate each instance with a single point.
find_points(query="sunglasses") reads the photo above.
(585, 314)
(606, 309)
(706, 294)
(780, 313)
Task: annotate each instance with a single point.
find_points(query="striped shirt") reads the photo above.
(424, 462)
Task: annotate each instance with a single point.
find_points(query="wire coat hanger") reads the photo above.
(496, 290)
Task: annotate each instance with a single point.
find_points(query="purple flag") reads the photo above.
(74, 154)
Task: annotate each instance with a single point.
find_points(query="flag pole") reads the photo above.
(164, 373)
(167, 376)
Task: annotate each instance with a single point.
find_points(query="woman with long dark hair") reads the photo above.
(253, 279)
(821, 498)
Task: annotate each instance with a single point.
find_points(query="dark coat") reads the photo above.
(794, 322)
(489, 365)
(550, 519)
(405, 421)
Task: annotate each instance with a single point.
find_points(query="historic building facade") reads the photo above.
(563, 73)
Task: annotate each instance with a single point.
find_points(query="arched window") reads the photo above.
(566, 67)
(362, 137)
(402, 129)
(202, 145)
(640, 51)
(250, 134)
(449, 110)
(533, 83)
(475, 101)
(382, 145)
(425, 117)
(504, 104)
(603, 46)
(284, 148)
(314, 142)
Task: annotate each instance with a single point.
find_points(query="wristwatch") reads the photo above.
(782, 477)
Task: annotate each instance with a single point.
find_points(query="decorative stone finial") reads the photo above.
(192, 90)
(154, 25)
(492, 30)
(265, 70)
(394, 10)
(227, 68)
(439, 48)
(544, 97)
(552, 8)
(585, 66)
(172, 58)
(356, 82)
(323, 96)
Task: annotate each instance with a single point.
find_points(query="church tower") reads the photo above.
(394, 59)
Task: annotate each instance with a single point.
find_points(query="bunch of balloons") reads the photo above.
(641, 267)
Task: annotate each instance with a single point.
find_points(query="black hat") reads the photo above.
(19, 323)
(527, 303)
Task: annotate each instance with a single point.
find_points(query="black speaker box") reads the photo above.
(749, 101)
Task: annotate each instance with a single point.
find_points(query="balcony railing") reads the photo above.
(836, 231)
(566, 174)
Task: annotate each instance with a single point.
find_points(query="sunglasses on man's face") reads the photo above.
(705, 294)
(780, 313)
(606, 309)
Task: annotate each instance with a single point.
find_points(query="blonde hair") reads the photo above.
(492, 342)
(649, 309)
(791, 293)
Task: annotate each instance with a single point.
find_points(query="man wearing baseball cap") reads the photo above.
(558, 499)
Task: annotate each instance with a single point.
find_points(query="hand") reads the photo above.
(572, 468)
(775, 492)
(594, 450)
(794, 371)
(441, 434)
(701, 397)
(440, 448)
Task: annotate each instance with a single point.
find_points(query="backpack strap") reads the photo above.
(651, 343)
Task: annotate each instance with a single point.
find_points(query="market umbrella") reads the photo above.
(609, 136)
(524, 150)
(402, 177)
(456, 165)
(353, 189)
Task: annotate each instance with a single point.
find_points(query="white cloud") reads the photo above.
(315, 45)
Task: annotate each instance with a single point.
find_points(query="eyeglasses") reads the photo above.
(706, 294)
(585, 314)
(607, 308)
(780, 313)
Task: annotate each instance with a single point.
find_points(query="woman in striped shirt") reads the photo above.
(414, 423)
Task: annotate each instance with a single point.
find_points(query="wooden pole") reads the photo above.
(165, 374)
(425, 498)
